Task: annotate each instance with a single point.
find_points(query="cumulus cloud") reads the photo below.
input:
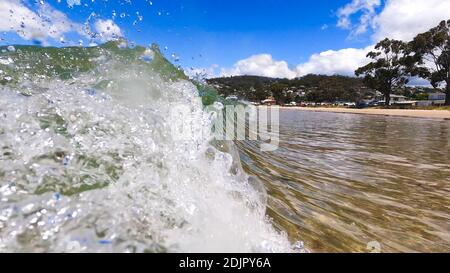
(42, 22)
(331, 62)
(367, 11)
(398, 19)
(404, 19)
(261, 65)
(107, 30)
(342, 62)
(40, 25)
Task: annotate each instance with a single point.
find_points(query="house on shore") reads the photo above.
(269, 101)
(399, 100)
(435, 98)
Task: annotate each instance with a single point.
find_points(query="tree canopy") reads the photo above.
(428, 56)
(387, 71)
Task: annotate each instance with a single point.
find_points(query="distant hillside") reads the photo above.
(318, 88)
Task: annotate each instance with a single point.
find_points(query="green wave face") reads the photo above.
(32, 62)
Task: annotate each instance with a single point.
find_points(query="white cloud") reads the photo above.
(404, 19)
(343, 62)
(331, 62)
(399, 19)
(107, 30)
(43, 22)
(40, 25)
(367, 11)
(261, 65)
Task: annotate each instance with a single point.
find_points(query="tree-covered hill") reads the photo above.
(318, 88)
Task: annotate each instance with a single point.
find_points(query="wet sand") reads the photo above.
(435, 114)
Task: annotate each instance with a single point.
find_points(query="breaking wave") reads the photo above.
(89, 161)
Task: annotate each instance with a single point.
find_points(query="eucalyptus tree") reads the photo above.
(429, 57)
(386, 71)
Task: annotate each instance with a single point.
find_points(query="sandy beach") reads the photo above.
(435, 114)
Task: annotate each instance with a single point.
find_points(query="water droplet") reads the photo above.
(57, 196)
(66, 161)
(148, 55)
(175, 57)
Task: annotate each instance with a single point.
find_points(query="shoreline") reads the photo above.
(429, 114)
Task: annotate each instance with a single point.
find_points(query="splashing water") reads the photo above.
(89, 163)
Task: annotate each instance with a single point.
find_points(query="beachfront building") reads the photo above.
(437, 98)
(269, 101)
(395, 99)
(398, 100)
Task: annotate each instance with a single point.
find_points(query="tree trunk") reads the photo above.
(447, 93)
(387, 97)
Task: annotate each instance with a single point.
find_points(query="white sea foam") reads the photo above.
(99, 170)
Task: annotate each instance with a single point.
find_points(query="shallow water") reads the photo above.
(348, 183)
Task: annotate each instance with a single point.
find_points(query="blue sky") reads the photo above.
(222, 33)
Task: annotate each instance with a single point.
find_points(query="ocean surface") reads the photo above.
(358, 183)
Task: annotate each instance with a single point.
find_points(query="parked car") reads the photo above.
(362, 104)
(232, 97)
(349, 104)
